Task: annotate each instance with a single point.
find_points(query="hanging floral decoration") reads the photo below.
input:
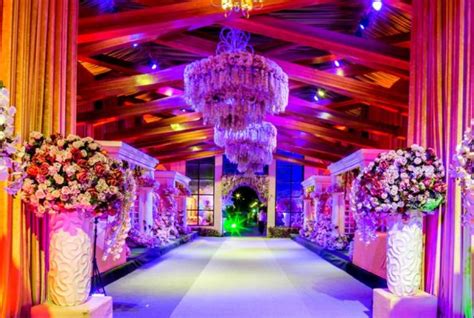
(463, 162)
(251, 148)
(258, 183)
(235, 87)
(64, 174)
(397, 183)
(7, 138)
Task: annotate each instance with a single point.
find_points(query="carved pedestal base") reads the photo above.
(95, 307)
(404, 252)
(70, 256)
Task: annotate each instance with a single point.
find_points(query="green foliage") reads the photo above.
(281, 231)
(202, 231)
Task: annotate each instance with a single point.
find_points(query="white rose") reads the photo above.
(3, 119)
(2, 135)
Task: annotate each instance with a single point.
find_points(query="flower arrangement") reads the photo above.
(137, 238)
(7, 138)
(463, 162)
(65, 174)
(397, 183)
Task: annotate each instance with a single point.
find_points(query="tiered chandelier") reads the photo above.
(235, 88)
(251, 148)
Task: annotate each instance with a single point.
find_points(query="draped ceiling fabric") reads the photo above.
(441, 102)
(38, 66)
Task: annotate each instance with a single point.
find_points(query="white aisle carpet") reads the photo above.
(240, 277)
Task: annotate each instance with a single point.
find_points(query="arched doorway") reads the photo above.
(241, 217)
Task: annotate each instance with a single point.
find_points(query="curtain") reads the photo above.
(441, 101)
(38, 65)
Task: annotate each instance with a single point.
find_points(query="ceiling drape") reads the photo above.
(441, 102)
(38, 66)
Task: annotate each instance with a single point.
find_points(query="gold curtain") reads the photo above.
(441, 102)
(38, 65)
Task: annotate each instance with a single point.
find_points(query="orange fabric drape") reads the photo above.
(441, 102)
(38, 65)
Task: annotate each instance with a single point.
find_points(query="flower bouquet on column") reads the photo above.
(399, 187)
(7, 138)
(464, 164)
(73, 180)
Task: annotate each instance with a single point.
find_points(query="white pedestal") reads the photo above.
(95, 307)
(388, 305)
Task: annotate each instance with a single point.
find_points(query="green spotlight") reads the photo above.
(234, 224)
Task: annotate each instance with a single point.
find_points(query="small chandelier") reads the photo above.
(251, 148)
(235, 88)
(244, 6)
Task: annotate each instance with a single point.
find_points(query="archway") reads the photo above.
(241, 216)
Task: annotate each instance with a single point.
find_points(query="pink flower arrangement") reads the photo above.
(463, 163)
(64, 174)
(397, 183)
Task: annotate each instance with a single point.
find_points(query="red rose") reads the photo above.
(82, 176)
(44, 169)
(99, 169)
(32, 170)
(82, 163)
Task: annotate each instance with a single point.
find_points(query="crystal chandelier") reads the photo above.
(251, 148)
(244, 6)
(235, 88)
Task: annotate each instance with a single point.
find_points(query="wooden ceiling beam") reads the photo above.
(322, 132)
(346, 86)
(169, 125)
(188, 156)
(400, 4)
(185, 150)
(322, 39)
(288, 146)
(111, 114)
(140, 25)
(131, 84)
(191, 133)
(327, 113)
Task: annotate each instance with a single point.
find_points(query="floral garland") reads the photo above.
(323, 231)
(259, 183)
(7, 138)
(119, 224)
(463, 163)
(397, 183)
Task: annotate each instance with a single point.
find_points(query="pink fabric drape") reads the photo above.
(441, 101)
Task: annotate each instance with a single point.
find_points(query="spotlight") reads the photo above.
(321, 93)
(316, 98)
(361, 26)
(135, 44)
(377, 5)
(337, 63)
(152, 63)
(153, 66)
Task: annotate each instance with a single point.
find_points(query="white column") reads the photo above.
(218, 193)
(271, 195)
(338, 210)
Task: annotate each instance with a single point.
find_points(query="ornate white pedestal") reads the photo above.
(96, 307)
(388, 305)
